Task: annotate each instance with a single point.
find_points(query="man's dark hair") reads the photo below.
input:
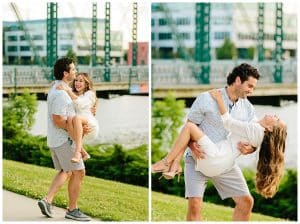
(62, 65)
(243, 71)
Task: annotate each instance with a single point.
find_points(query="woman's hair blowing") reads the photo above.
(270, 165)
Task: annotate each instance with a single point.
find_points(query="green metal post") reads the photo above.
(278, 41)
(94, 35)
(134, 35)
(107, 45)
(261, 35)
(52, 24)
(202, 49)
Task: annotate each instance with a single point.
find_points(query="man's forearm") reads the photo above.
(60, 122)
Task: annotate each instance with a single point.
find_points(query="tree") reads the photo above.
(71, 54)
(227, 50)
(167, 117)
(18, 115)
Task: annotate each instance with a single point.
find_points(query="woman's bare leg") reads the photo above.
(190, 131)
(77, 122)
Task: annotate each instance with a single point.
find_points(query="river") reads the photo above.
(125, 120)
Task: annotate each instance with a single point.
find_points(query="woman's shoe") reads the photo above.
(175, 169)
(160, 166)
(76, 158)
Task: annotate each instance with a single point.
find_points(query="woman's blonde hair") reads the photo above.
(270, 165)
(87, 80)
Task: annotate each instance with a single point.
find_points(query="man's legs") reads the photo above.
(56, 184)
(194, 209)
(243, 208)
(74, 187)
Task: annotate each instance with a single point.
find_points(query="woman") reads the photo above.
(269, 133)
(84, 99)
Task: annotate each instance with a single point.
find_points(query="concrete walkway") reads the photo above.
(20, 208)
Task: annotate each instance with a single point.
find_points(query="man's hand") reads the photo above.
(196, 150)
(245, 148)
(86, 129)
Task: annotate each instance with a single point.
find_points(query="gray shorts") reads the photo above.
(62, 155)
(229, 184)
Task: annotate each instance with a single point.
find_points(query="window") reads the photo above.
(37, 37)
(152, 22)
(221, 35)
(24, 48)
(183, 21)
(152, 36)
(12, 48)
(65, 47)
(165, 36)
(162, 22)
(12, 38)
(185, 36)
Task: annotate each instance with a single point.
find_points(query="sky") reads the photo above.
(121, 14)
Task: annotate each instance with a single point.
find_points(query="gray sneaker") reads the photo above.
(76, 214)
(45, 208)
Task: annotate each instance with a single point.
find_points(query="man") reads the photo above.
(241, 82)
(60, 106)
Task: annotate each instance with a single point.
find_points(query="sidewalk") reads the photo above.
(20, 208)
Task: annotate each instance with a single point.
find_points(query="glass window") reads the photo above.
(12, 38)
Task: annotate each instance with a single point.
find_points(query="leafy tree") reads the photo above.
(71, 54)
(167, 117)
(18, 115)
(227, 50)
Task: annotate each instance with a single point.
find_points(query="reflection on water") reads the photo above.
(123, 120)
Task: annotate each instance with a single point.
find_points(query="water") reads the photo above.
(123, 120)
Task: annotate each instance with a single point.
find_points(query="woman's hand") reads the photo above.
(61, 87)
(216, 94)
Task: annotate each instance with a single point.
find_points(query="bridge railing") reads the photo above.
(35, 75)
(175, 72)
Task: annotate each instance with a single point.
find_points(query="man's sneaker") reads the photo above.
(76, 214)
(45, 208)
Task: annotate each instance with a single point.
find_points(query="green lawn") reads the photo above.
(109, 200)
(172, 208)
(103, 199)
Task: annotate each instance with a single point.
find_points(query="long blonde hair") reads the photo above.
(87, 80)
(270, 165)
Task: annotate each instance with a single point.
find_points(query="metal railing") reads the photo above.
(36, 75)
(183, 73)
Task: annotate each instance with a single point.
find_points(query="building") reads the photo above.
(73, 33)
(236, 21)
(142, 56)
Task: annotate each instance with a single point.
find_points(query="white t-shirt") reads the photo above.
(59, 103)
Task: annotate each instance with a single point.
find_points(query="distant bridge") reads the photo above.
(180, 78)
(123, 79)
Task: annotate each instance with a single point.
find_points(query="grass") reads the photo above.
(109, 200)
(172, 208)
(103, 199)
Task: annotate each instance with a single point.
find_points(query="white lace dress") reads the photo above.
(83, 105)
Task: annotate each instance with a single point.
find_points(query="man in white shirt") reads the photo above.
(231, 184)
(60, 106)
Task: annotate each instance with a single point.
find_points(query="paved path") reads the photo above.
(20, 208)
